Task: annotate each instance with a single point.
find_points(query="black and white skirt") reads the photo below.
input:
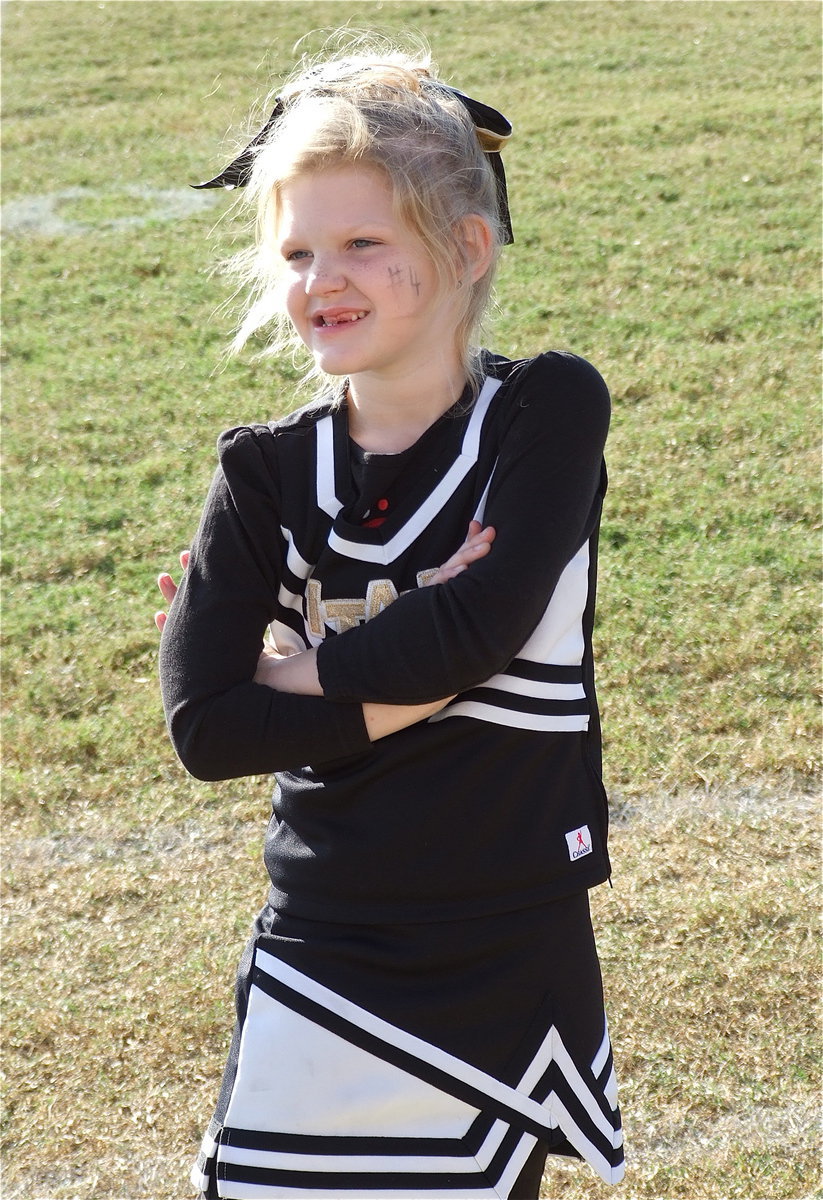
(430, 1060)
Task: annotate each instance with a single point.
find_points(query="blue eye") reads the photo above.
(362, 243)
(297, 255)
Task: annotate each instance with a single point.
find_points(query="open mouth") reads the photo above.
(322, 321)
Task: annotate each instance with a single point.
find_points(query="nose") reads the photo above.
(325, 276)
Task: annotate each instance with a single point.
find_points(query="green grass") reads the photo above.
(665, 192)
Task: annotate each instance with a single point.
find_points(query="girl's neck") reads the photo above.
(389, 416)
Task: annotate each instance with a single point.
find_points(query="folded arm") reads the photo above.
(231, 710)
(297, 673)
(543, 503)
(222, 723)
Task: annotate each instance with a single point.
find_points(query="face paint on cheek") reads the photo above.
(395, 276)
(414, 281)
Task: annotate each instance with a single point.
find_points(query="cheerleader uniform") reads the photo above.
(420, 1011)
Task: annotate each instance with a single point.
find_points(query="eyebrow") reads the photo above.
(360, 229)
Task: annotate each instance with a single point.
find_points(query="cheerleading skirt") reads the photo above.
(441, 1059)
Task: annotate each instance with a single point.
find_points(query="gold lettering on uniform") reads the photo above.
(423, 577)
(313, 602)
(344, 614)
(379, 595)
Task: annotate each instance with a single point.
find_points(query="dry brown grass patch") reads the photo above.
(120, 952)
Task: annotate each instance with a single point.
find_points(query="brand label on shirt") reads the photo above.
(579, 842)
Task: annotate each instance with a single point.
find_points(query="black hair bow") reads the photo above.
(493, 131)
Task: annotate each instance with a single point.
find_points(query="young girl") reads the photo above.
(420, 1009)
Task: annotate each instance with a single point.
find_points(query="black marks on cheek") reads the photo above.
(397, 276)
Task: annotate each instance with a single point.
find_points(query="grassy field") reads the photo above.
(665, 191)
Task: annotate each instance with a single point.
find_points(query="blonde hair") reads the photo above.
(382, 108)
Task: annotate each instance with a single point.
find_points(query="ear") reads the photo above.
(478, 243)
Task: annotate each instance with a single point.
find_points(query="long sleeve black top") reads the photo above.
(495, 803)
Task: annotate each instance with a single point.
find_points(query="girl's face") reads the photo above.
(360, 289)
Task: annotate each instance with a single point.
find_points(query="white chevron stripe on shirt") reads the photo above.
(431, 506)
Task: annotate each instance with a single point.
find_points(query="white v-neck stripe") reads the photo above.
(386, 553)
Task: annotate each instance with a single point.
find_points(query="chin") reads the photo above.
(340, 365)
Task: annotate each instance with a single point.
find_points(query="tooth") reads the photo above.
(345, 319)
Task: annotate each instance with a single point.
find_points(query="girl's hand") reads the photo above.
(477, 545)
(168, 589)
(301, 679)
